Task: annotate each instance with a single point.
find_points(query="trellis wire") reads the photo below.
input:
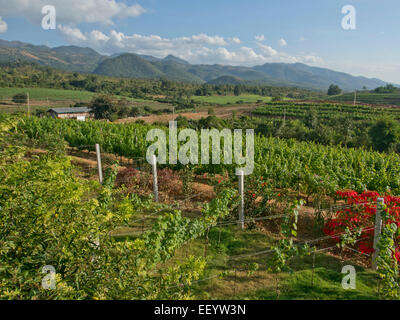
(235, 257)
(241, 219)
(229, 222)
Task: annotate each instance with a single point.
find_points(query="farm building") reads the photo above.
(81, 113)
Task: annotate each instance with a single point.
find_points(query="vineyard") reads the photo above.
(301, 166)
(113, 241)
(187, 158)
(369, 98)
(326, 111)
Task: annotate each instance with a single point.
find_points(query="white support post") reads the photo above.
(355, 97)
(241, 195)
(284, 116)
(29, 106)
(99, 163)
(155, 180)
(378, 229)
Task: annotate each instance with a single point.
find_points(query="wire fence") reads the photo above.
(137, 175)
(337, 261)
(236, 267)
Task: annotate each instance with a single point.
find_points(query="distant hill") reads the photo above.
(130, 65)
(69, 58)
(172, 58)
(317, 77)
(226, 80)
(276, 74)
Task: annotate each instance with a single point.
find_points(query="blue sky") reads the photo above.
(222, 31)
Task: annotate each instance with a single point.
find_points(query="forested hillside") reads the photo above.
(130, 65)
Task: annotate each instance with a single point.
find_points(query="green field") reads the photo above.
(230, 99)
(43, 99)
(44, 94)
(56, 94)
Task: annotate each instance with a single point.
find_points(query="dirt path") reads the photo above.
(221, 112)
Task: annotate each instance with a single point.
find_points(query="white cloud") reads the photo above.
(72, 11)
(153, 44)
(302, 39)
(282, 42)
(72, 35)
(235, 40)
(200, 48)
(3, 26)
(260, 37)
(312, 59)
(267, 50)
(99, 36)
(205, 39)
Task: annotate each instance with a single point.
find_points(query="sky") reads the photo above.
(230, 32)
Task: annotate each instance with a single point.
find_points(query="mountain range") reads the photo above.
(130, 65)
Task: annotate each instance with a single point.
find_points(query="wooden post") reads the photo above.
(284, 116)
(155, 180)
(313, 269)
(378, 229)
(234, 287)
(143, 218)
(355, 97)
(241, 195)
(27, 94)
(99, 163)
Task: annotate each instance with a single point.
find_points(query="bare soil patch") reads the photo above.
(221, 112)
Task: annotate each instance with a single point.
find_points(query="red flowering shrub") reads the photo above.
(361, 214)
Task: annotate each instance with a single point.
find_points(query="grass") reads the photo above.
(221, 100)
(322, 284)
(44, 94)
(43, 99)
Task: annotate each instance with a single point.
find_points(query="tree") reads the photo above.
(123, 111)
(20, 98)
(277, 98)
(311, 119)
(104, 107)
(384, 133)
(334, 90)
(237, 91)
(135, 111)
(389, 88)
